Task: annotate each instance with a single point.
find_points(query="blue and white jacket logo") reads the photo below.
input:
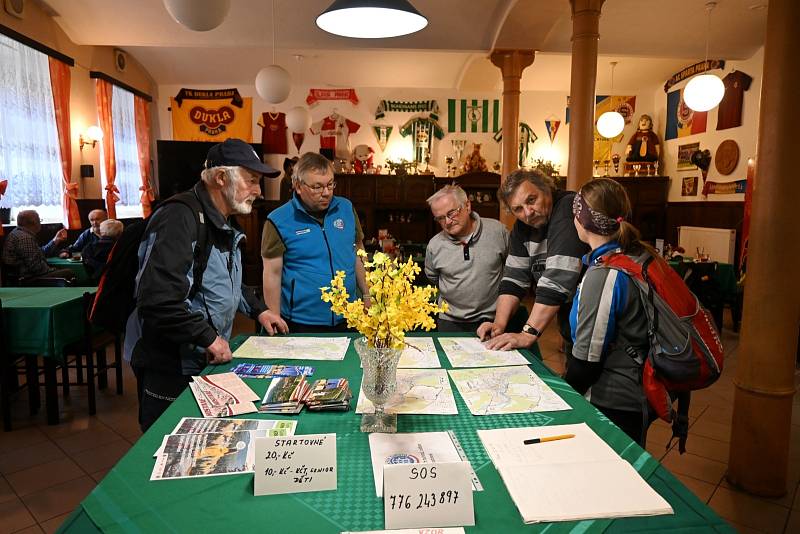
(338, 223)
(303, 231)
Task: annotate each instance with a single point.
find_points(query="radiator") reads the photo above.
(718, 243)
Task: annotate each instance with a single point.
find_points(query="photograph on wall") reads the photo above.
(689, 186)
(685, 156)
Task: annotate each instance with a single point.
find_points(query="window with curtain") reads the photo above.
(30, 158)
(126, 152)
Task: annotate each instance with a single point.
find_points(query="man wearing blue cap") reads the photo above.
(189, 283)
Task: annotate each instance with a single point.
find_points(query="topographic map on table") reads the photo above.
(419, 391)
(293, 348)
(471, 352)
(500, 390)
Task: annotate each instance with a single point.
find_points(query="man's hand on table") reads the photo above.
(273, 323)
(219, 352)
(511, 341)
(488, 330)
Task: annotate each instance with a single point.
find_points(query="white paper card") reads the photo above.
(437, 530)
(430, 495)
(295, 464)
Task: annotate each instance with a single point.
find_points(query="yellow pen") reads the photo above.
(547, 438)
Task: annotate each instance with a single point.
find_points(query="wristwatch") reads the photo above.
(532, 330)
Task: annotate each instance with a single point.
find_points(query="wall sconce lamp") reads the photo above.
(92, 135)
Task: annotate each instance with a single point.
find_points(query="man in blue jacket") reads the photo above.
(178, 326)
(304, 243)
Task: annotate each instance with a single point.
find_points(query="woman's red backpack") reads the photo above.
(685, 348)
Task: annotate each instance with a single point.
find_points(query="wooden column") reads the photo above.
(511, 63)
(585, 35)
(764, 381)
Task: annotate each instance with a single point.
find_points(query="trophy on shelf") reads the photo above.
(596, 167)
(458, 149)
(449, 161)
(605, 167)
(615, 160)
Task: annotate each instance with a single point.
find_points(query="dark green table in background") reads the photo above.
(77, 267)
(126, 500)
(41, 321)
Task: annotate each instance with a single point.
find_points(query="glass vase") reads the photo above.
(379, 384)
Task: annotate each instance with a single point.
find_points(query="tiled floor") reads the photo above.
(45, 471)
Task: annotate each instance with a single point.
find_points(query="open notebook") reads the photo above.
(569, 479)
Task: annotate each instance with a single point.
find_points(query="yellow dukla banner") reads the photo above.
(211, 115)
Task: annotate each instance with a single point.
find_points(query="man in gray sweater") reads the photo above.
(465, 260)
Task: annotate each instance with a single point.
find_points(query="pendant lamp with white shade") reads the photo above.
(611, 123)
(371, 19)
(298, 119)
(198, 15)
(705, 91)
(273, 83)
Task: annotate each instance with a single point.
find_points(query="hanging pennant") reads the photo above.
(552, 129)
(382, 134)
(298, 139)
(315, 95)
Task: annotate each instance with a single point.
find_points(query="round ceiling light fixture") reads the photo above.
(273, 84)
(198, 15)
(298, 119)
(371, 19)
(611, 123)
(705, 91)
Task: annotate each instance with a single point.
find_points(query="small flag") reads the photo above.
(473, 115)
(382, 134)
(298, 139)
(552, 129)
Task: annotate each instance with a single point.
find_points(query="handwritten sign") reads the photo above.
(295, 464)
(427, 495)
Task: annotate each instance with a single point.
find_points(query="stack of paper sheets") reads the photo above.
(222, 395)
(568, 479)
(202, 447)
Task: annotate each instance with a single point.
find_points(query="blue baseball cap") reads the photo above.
(237, 153)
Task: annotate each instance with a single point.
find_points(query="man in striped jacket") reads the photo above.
(544, 255)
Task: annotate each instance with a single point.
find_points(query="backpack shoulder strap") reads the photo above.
(201, 249)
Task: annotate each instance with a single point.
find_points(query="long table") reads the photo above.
(126, 501)
(41, 321)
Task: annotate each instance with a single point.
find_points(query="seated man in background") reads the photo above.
(88, 236)
(95, 254)
(22, 251)
(465, 260)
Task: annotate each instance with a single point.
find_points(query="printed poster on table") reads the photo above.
(211, 115)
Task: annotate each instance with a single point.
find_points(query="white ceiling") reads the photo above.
(650, 38)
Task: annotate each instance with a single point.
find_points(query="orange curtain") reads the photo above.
(60, 76)
(103, 92)
(141, 111)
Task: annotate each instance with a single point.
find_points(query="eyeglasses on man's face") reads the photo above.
(450, 215)
(318, 188)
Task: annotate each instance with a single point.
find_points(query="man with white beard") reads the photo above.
(189, 283)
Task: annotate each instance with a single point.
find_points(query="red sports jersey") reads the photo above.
(273, 133)
(729, 114)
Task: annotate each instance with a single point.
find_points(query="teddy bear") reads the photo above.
(362, 158)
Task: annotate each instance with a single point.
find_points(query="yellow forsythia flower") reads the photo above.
(397, 306)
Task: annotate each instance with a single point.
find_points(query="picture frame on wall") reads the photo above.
(689, 186)
(685, 156)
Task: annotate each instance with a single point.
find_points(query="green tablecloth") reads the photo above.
(126, 501)
(42, 320)
(77, 267)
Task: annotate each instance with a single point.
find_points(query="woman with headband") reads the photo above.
(609, 326)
